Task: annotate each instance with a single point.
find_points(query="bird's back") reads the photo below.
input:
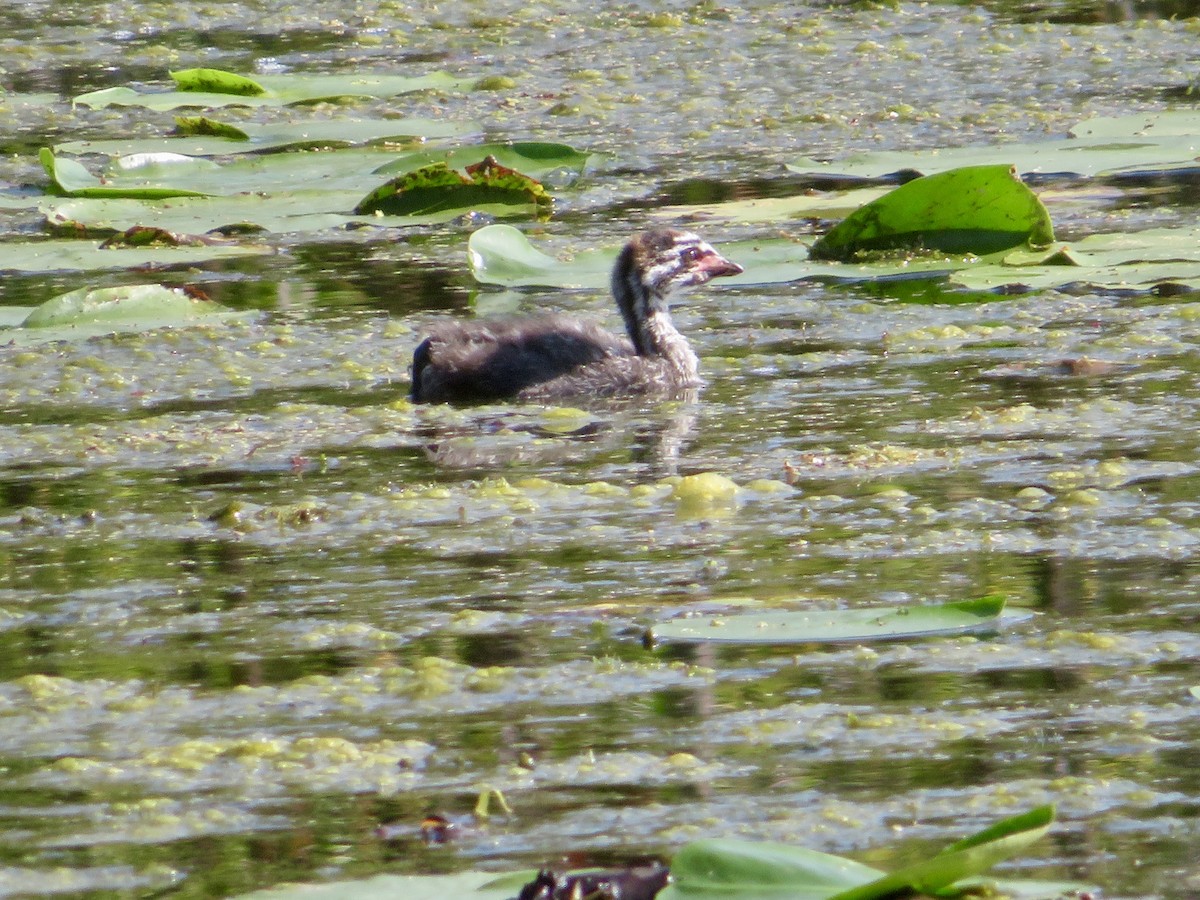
(465, 362)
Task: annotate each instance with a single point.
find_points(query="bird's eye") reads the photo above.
(691, 254)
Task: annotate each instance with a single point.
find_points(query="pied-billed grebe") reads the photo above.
(552, 357)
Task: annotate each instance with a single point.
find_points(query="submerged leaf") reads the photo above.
(979, 209)
(866, 624)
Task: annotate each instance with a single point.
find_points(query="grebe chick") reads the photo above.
(552, 357)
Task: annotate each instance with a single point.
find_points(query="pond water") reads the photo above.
(254, 604)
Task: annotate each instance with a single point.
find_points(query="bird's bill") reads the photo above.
(714, 265)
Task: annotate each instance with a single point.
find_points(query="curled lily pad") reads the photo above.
(69, 178)
(438, 188)
(977, 209)
(821, 626)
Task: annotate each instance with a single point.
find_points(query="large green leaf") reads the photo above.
(816, 626)
(979, 209)
(278, 90)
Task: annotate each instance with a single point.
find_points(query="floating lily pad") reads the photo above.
(1169, 122)
(438, 188)
(820, 205)
(88, 312)
(71, 179)
(1079, 157)
(297, 211)
(277, 90)
(76, 255)
(980, 209)
(888, 623)
(532, 158)
(1118, 261)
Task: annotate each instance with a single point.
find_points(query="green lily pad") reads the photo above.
(88, 312)
(438, 188)
(277, 90)
(299, 211)
(87, 256)
(532, 158)
(888, 623)
(821, 205)
(501, 254)
(979, 209)
(1134, 261)
(71, 179)
(1076, 157)
(1174, 122)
